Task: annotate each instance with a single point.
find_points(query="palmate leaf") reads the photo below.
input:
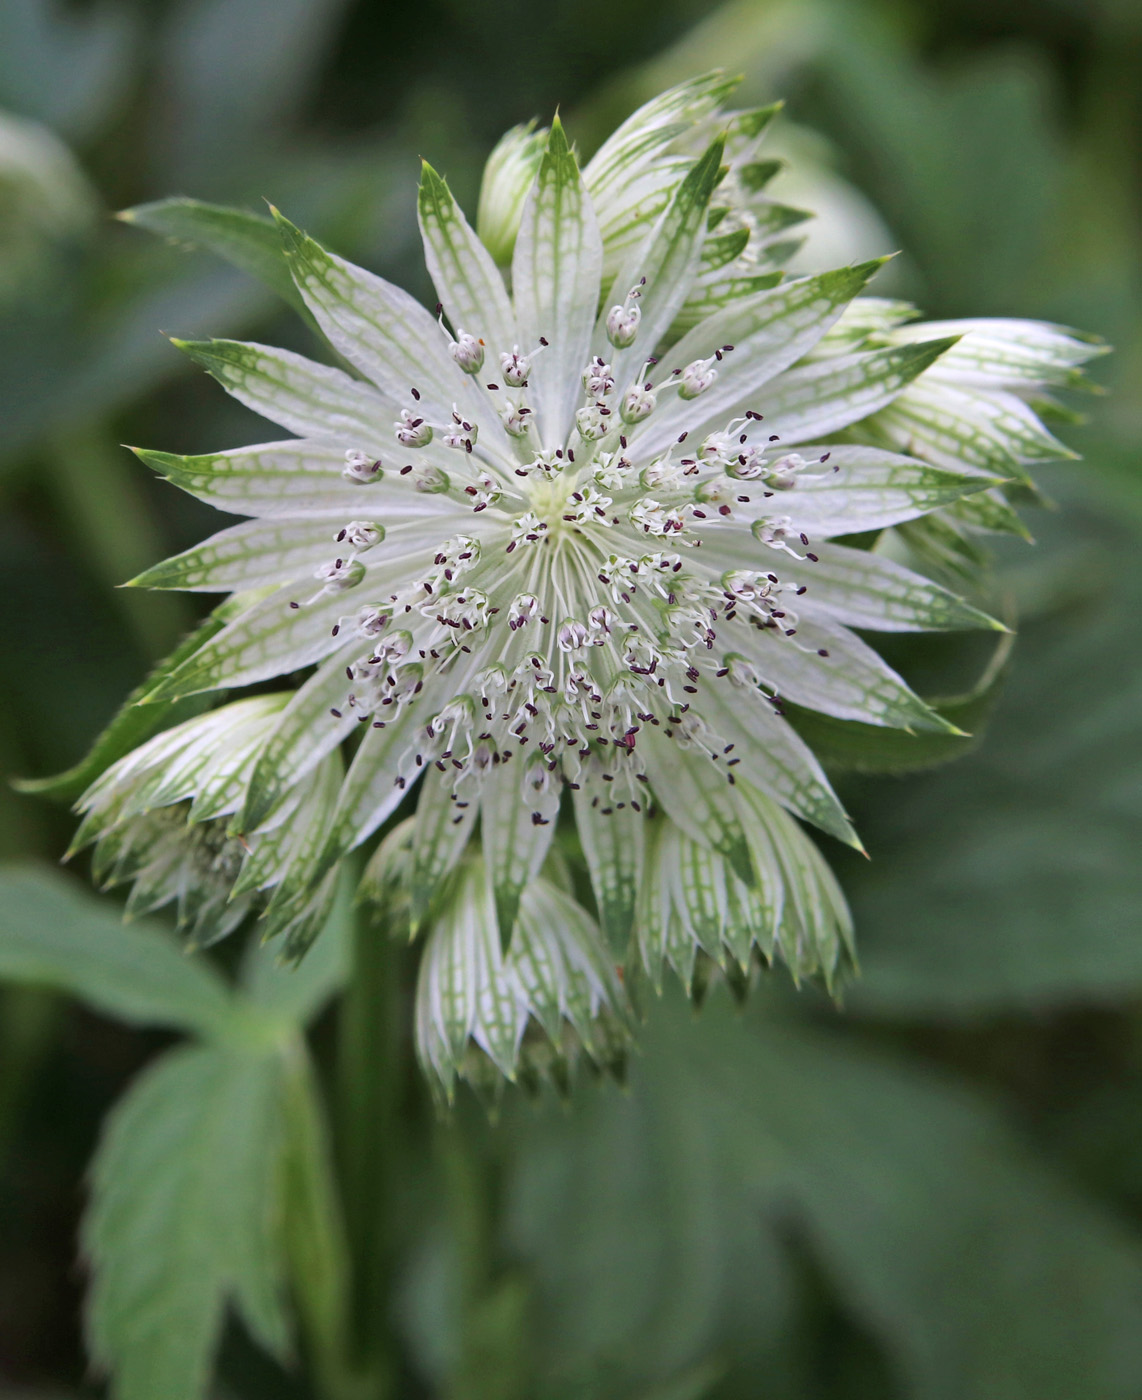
(1041, 912)
(678, 1200)
(183, 1218)
(54, 934)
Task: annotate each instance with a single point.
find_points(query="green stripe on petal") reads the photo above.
(306, 732)
(461, 991)
(299, 476)
(815, 927)
(824, 396)
(255, 554)
(665, 263)
(381, 330)
(301, 395)
(712, 294)
(444, 822)
(826, 667)
(870, 490)
(519, 804)
(613, 842)
(466, 279)
(384, 768)
(556, 269)
(267, 640)
(955, 427)
(861, 588)
(771, 756)
(301, 901)
(768, 332)
(702, 881)
(273, 844)
(1002, 353)
(695, 792)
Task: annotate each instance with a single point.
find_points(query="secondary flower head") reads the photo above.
(572, 545)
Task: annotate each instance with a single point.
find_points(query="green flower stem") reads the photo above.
(493, 1362)
(315, 1240)
(369, 1073)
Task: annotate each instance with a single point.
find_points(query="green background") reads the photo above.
(933, 1192)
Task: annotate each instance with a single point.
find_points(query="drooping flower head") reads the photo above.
(568, 543)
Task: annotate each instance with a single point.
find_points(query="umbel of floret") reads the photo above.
(553, 559)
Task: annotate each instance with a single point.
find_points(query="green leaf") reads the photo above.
(981, 1274)
(54, 934)
(556, 271)
(133, 724)
(250, 242)
(1040, 912)
(183, 1218)
(298, 991)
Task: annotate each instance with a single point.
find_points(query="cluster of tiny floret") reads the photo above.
(612, 622)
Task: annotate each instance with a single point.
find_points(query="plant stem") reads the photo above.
(369, 1071)
(314, 1231)
(494, 1301)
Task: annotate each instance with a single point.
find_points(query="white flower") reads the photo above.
(597, 566)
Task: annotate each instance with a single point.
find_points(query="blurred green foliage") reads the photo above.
(936, 1192)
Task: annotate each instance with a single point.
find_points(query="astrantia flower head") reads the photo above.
(566, 543)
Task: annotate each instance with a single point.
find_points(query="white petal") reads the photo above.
(304, 397)
(556, 268)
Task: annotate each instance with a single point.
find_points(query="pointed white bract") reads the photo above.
(582, 529)
(162, 819)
